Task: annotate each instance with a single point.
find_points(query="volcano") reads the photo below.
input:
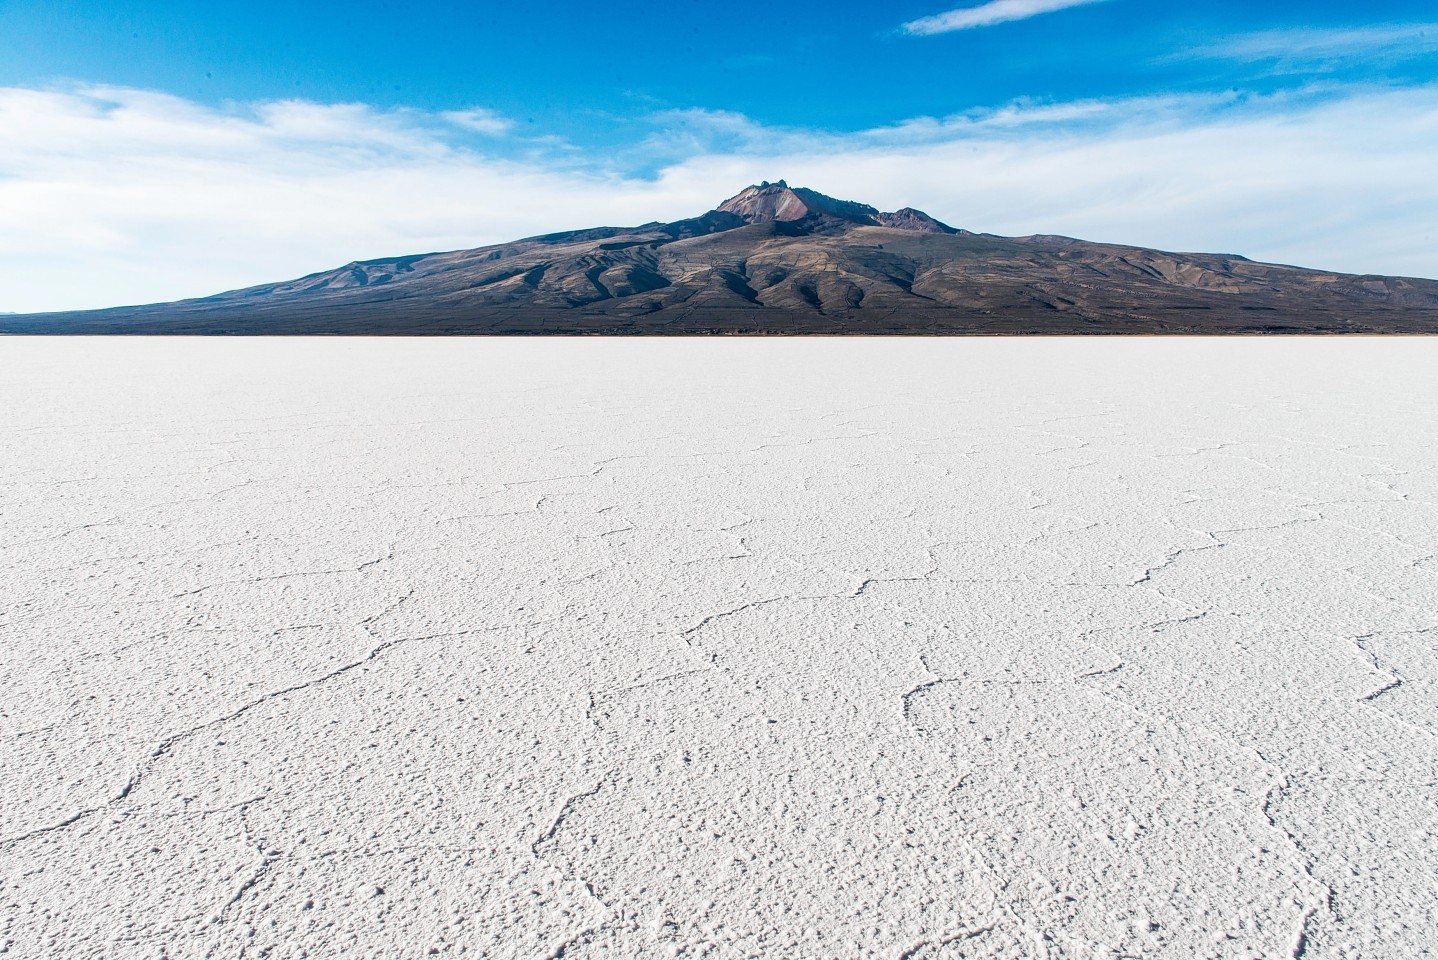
(776, 259)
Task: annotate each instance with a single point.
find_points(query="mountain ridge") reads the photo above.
(778, 259)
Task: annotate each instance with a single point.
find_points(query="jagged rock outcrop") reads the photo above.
(767, 202)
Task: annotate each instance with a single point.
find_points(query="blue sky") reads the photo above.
(592, 72)
(171, 149)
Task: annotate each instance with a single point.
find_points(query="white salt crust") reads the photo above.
(719, 648)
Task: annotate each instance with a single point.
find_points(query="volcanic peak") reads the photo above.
(769, 202)
(781, 259)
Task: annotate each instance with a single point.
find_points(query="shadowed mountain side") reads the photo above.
(776, 259)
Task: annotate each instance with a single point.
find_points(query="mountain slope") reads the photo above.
(776, 259)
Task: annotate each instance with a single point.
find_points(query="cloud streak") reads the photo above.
(111, 195)
(480, 120)
(987, 15)
(1306, 48)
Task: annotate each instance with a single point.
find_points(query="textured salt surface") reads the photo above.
(718, 648)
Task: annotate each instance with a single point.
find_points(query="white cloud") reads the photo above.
(1309, 47)
(480, 120)
(987, 14)
(112, 196)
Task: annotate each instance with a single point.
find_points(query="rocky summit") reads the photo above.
(779, 201)
(776, 259)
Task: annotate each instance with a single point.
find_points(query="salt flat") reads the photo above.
(760, 648)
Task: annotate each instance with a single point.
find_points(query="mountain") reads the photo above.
(780, 259)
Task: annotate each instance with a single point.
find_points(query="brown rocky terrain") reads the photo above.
(776, 259)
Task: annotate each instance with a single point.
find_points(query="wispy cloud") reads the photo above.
(987, 14)
(480, 120)
(1306, 46)
(679, 134)
(112, 195)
